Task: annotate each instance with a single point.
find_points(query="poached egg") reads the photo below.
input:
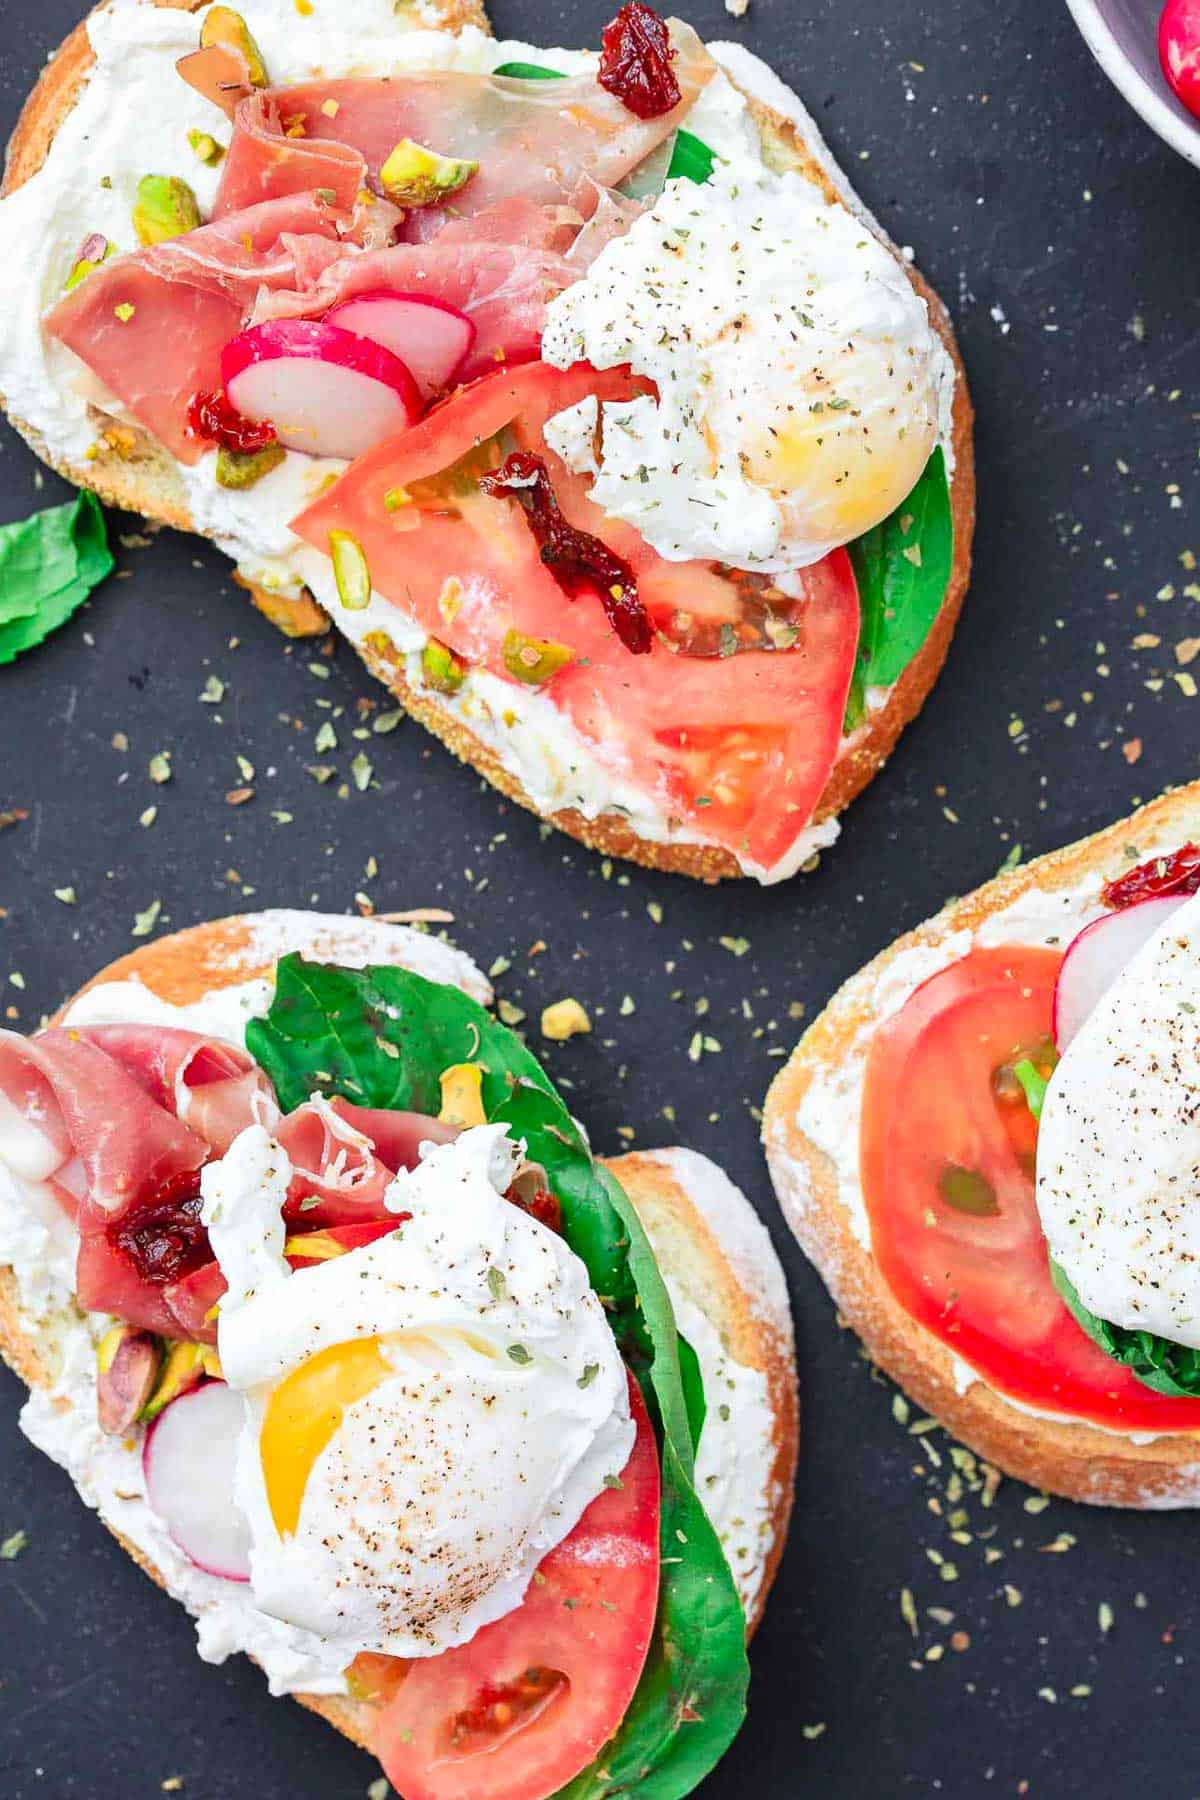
(425, 1417)
(799, 381)
(1118, 1161)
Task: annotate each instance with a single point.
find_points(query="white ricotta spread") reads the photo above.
(1118, 1172)
(131, 118)
(38, 1242)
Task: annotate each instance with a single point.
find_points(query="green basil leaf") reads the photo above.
(691, 160)
(523, 71)
(49, 564)
(1158, 1363)
(381, 1037)
(902, 568)
(694, 1397)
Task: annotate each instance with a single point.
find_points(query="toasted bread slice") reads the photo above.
(135, 473)
(704, 1231)
(816, 1183)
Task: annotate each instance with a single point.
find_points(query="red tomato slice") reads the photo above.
(740, 746)
(979, 1280)
(531, 1700)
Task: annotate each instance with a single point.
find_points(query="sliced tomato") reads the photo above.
(531, 1700)
(740, 746)
(947, 1167)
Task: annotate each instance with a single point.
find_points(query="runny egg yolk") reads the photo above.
(838, 460)
(307, 1408)
(303, 1414)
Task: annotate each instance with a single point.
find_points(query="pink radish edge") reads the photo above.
(1097, 955)
(324, 390)
(188, 1460)
(429, 335)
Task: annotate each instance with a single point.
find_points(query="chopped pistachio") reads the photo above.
(166, 208)
(92, 252)
(416, 176)
(350, 571)
(442, 670)
(239, 469)
(533, 660)
(228, 28)
(206, 147)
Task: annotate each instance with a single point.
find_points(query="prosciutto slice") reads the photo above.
(119, 1120)
(501, 267)
(344, 1159)
(152, 324)
(91, 1106)
(538, 139)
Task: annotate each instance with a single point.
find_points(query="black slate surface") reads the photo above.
(1066, 240)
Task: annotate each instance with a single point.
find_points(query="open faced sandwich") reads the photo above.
(327, 1309)
(575, 388)
(988, 1146)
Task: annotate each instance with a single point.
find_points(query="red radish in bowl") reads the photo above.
(1097, 956)
(429, 336)
(1179, 50)
(324, 390)
(189, 1459)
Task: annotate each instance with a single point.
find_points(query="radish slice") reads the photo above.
(1096, 957)
(189, 1459)
(429, 336)
(323, 389)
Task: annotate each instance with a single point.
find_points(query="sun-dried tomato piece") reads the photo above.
(579, 562)
(635, 62)
(165, 1240)
(1178, 873)
(212, 417)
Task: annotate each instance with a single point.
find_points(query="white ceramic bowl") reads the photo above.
(1123, 37)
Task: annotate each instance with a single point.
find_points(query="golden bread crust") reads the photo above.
(1080, 1461)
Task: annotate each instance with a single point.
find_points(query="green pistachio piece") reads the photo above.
(93, 251)
(166, 208)
(533, 660)
(415, 176)
(443, 671)
(206, 147)
(350, 571)
(228, 28)
(241, 468)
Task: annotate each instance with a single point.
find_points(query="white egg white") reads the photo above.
(799, 380)
(506, 1408)
(1118, 1163)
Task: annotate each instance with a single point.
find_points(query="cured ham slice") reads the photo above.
(501, 268)
(338, 1179)
(211, 1086)
(152, 324)
(268, 158)
(397, 1136)
(536, 139)
(739, 743)
(90, 1105)
(125, 1117)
